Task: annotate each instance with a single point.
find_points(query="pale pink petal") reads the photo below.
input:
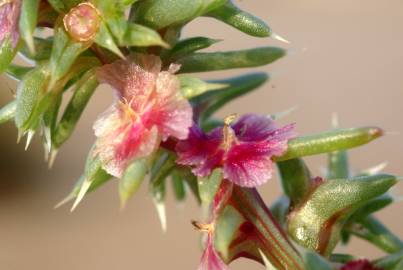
(120, 140)
(9, 18)
(210, 259)
(132, 78)
(172, 113)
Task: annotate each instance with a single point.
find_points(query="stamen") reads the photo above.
(228, 133)
(203, 227)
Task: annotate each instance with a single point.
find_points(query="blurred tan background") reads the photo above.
(345, 56)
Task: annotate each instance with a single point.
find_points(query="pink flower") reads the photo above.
(244, 149)
(149, 109)
(9, 18)
(359, 265)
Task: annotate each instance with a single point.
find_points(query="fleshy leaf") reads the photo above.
(330, 141)
(17, 72)
(241, 20)
(160, 14)
(83, 91)
(43, 48)
(212, 101)
(140, 36)
(295, 179)
(338, 165)
(31, 98)
(191, 86)
(208, 186)
(93, 176)
(201, 62)
(132, 179)
(7, 113)
(178, 186)
(104, 38)
(7, 53)
(391, 262)
(28, 20)
(376, 233)
(64, 53)
(188, 46)
(316, 223)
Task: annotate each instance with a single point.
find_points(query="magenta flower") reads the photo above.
(149, 109)
(9, 16)
(359, 265)
(244, 149)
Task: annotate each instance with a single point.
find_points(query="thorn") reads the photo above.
(30, 135)
(283, 113)
(393, 133)
(266, 261)
(69, 197)
(376, 169)
(48, 138)
(335, 120)
(20, 135)
(161, 211)
(52, 157)
(83, 190)
(279, 38)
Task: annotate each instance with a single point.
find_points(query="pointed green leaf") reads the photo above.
(43, 49)
(316, 223)
(178, 186)
(212, 101)
(49, 118)
(7, 113)
(83, 91)
(334, 140)
(208, 186)
(17, 72)
(201, 62)
(94, 176)
(371, 207)
(28, 20)
(191, 86)
(295, 179)
(338, 166)
(391, 262)
(7, 53)
(105, 39)
(132, 179)
(31, 101)
(188, 46)
(160, 14)
(140, 36)
(314, 261)
(58, 5)
(64, 53)
(241, 20)
(376, 233)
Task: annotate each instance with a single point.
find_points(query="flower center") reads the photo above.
(228, 134)
(203, 227)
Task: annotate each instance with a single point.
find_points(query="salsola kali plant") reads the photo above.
(161, 127)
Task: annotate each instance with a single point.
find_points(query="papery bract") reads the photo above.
(359, 265)
(244, 149)
(149, 109)
(9, 15)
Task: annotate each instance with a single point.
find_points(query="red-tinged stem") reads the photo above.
(259, 230)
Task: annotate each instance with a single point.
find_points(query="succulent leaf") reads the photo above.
(28, 20)
(7, 112)
(132, 179)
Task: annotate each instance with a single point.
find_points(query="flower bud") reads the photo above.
(82, 22)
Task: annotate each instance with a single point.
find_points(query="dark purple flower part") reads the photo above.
(9, 16)
(243, 149)
(359, 265)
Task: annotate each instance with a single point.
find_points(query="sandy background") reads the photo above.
(345, 56)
